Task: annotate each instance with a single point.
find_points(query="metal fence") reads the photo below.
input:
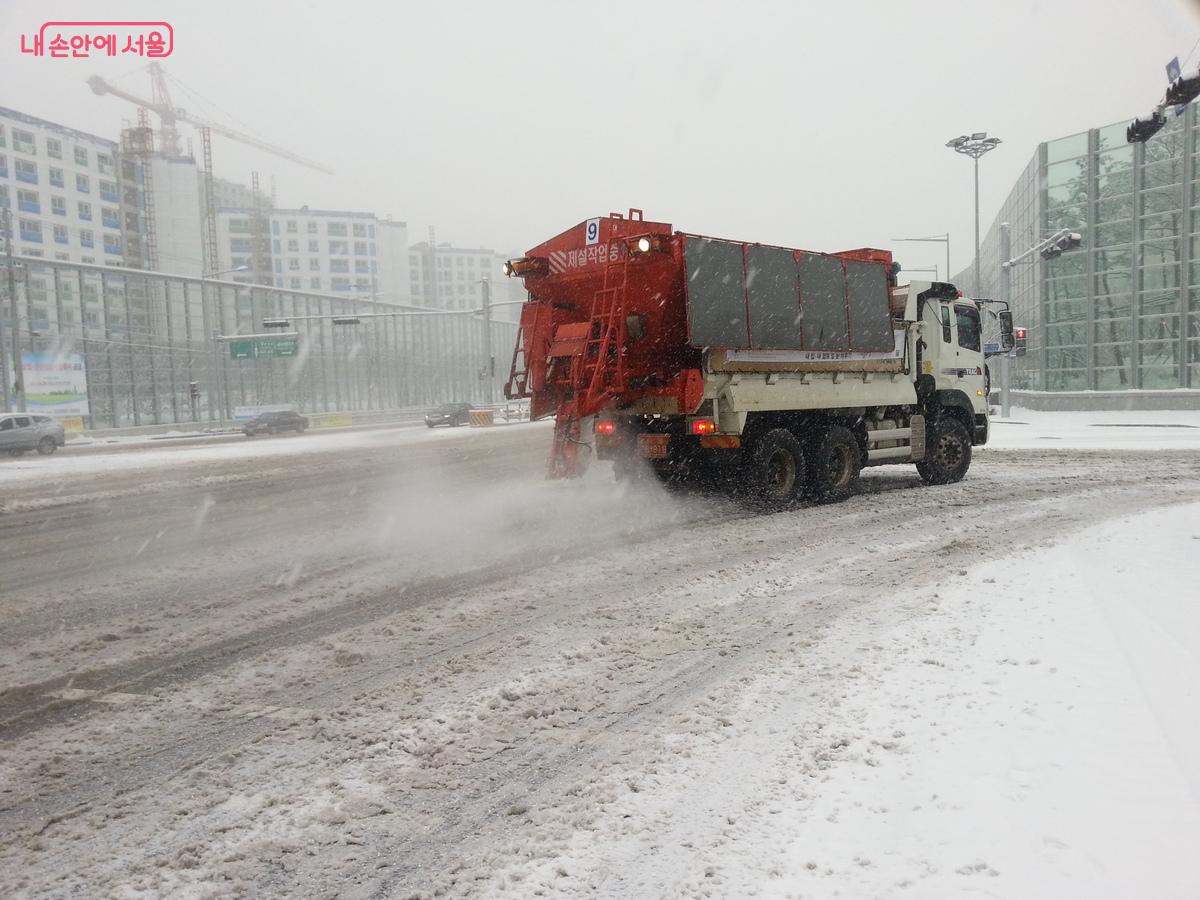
(146, 338)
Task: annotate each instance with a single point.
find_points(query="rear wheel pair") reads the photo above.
(780, 470)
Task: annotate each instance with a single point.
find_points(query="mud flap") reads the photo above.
(569, 452)
(917, 441)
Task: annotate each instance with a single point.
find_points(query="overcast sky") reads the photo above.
(814, 125)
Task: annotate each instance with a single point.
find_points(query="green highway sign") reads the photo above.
(263, 348)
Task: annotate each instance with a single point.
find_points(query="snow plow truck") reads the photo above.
(780, 371)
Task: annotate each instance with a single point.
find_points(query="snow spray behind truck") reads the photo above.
(783, 370)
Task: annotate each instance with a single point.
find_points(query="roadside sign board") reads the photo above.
(263, 348)
(991, 347)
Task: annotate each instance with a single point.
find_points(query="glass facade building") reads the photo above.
(1123, 311)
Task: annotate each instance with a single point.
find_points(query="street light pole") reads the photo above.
(211, 315)
(489, 364)
(934, 239)
(975, 145)
(1005, 288)
(18, 395)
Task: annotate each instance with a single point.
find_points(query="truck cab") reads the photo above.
(951, 369)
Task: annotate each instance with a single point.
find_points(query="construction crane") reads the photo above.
(168, 114)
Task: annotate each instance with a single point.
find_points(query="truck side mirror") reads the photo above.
(1006, 329)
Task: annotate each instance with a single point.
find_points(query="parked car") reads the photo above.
(20, 432)
(275, 422)
(450, 414)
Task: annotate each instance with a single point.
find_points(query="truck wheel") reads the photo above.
(834, 462)
(773, 470)
(947, 453)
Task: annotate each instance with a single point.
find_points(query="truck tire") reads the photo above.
(834, 463)
(947, 452)
(773, 471)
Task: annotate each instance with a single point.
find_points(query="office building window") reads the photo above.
(60, 234)
(293, 246)
(360, 230)
(85, 211)
(314, 283)
(54, 148)
(26, 171)
(83, 184)
(339, 265)
(312, 227)
(23, 141)
(30, 231)
(104, 163)
(56, 177)
(314, 265)
(58, 206)
(336, 229)
(293, 264)
(108, 191)
(291, 226)
(294, 283)
(314, 246)
(338, 248)
(360, 248)
(81, 156)
(28, 201)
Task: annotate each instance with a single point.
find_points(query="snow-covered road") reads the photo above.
(402, 665)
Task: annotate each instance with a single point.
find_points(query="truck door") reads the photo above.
(968, 349)
(940, 354)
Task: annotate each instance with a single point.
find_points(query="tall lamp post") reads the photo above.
(974, 145)
(212, 323)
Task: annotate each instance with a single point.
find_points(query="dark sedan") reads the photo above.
(450, 414)
(275, 422)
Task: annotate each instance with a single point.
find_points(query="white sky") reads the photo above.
(818, 126)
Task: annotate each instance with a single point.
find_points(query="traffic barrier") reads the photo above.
(331, 420)
(482, 417)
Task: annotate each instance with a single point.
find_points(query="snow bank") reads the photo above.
(1028, 731)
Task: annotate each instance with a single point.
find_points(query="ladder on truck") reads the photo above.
(598, 373)
(601, 372)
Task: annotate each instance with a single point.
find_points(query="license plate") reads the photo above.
(653, 446)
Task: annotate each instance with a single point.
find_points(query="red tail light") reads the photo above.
(703, 426)
(605, 426)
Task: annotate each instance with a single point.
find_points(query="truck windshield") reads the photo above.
(968, 327)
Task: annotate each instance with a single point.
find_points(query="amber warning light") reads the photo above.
(703, 426)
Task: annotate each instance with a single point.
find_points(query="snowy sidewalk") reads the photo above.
(1029, 731)
(1028, 429)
